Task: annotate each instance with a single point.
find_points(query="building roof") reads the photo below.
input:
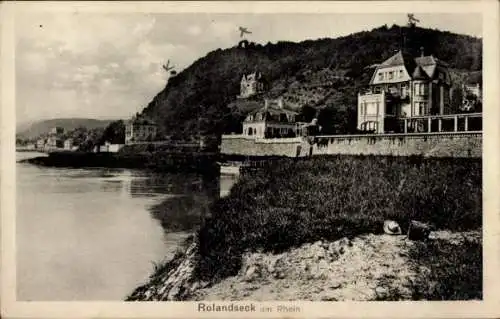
(252, 76)
(273, 111)
(475, 78)
(419, 74)
(423, 67)
(400, 58)
(140, 121)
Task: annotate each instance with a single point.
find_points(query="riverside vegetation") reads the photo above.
(326, 199)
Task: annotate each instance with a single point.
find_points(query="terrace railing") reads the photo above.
(466, 122)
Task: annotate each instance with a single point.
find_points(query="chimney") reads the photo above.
(266, 103)
(280, 102)
(421, 51)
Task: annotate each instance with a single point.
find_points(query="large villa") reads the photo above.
(408, 94)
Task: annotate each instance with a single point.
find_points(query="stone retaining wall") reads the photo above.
(463, 144)
(241, 145)
(435, 145)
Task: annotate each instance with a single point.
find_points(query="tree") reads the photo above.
(114, 133)
(307, 113)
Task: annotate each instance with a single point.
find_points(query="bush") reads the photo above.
(292, 201)
(455, 272)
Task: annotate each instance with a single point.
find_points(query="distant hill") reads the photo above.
(203, 96)
(44, 126)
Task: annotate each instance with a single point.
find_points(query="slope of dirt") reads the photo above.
(369, 267)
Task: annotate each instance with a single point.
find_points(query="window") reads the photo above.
(400, 73)
(371, 109)
(420, 88)
(422, 107)
(391, 75)
(381, 76)
(363, 108)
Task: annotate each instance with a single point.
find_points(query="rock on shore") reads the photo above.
(368, 267)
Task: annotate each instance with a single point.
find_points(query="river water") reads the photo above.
(93, 234)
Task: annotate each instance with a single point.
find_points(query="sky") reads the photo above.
(109, 65)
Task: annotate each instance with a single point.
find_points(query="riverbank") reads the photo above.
(295, 208)
(162, 161)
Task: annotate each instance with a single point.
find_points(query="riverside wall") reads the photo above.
(248, 146)
(459, 144)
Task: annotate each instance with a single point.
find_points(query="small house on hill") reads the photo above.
(273, 120)
(251, 84)
(140, 130)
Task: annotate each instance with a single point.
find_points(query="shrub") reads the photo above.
(455, 272)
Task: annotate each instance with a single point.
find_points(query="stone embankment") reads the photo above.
(368, 267)
(461, 145)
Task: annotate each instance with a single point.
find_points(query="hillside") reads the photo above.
(202, 97)
(43, 127)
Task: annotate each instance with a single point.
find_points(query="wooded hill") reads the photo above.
(43, 127)
(203, 96)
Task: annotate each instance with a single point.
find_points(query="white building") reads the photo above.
(40, 144)
(111, 148)
(271, 121)
(68, 144)
(140, 130)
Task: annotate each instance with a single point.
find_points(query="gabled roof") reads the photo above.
(400, 58)
(423, 67)
(396, 59)
(273, 111)
(419, 74)
(140, 121)
(425, 60)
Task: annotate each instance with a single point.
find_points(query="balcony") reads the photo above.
(471, 122)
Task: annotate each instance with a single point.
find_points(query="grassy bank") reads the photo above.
(296, 201)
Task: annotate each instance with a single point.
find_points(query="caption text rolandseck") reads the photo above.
(213, 307)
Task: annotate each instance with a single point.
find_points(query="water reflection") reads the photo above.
(188, 202)
(92, 234)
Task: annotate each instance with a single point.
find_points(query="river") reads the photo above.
(94, 234)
